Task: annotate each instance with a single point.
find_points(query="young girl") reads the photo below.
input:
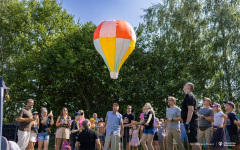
(100, 131)
(141, 119)
(34, 132)
(218, 138)
(135, 140)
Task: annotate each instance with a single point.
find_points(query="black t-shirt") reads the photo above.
(231, 127)
(87, 139)
(75, 126)
(189, 100)
(44, 127)
(130, 117)
(150, 124)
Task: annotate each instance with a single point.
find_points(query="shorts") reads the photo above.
(126, 134)
(235, 139)
(149, 131)
(43, 136)
(193, 135)
(184, 137)
(102, 138)
(33, 137)
(155, 138)
(62, 133)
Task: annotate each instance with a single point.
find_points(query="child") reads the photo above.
(231, 127)
(92, 124)
(100, 131)
(135, 140)
(75, 128)
(141, 119)
(34, 131)
(218, 138)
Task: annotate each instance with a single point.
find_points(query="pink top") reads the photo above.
(135, 134)
(80, 121)
(142, 116)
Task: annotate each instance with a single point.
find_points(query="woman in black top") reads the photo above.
(149, 130)
(44, 127)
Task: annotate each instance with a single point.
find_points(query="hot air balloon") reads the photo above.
(114, 40)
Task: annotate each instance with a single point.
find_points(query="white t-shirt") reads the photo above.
(218, 120)
(13, 145)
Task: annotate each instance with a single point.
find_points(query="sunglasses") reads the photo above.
(128, 108)
(65, 110)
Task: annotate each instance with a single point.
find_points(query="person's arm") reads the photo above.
(190, 113)
(175, 119)
(237, 122)
(158, 124)
(68, 121)
(77, 144)
(52, 121)
(73, 128)
(210, 118)
(98, 144)
(149, 119)
(44, 120)
(20, 119)
(122, 130)
(59, 123)
(165, 124)
(225, 120)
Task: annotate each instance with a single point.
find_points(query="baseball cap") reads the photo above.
(230, 103)
(216, 105)
(76, 114)
(35, 112)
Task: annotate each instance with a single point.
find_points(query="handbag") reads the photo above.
(66, 145)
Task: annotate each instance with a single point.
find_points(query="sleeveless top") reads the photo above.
(135, 135)
(64, 120)
(35, 128)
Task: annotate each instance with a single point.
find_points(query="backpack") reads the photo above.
(66, 145)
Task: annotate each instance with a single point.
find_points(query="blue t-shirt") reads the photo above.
(231, 127)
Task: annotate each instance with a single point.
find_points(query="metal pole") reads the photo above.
(1, 114)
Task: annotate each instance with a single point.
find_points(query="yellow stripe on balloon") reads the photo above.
(108, 45)
(129, 51)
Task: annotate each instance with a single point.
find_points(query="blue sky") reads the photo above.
(98, 11)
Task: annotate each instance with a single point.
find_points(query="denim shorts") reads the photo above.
(102, 138)
(149, 131)
(43, 136)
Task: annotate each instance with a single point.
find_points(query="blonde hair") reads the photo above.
(172, 98)
(148, 108)
(191, 85)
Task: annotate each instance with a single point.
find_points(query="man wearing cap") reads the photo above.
(113, 121)
(75, 128)
(190, 116)
(206, 116)
(25, 118)
(231, 126)
(128, 120)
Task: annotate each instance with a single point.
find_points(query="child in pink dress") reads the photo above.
(135, 140)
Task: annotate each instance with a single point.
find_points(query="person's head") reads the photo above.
(94, 116)
(148, 107)
(81, 113)
(206, 101)
(188, 87)
(161, 120)
(135, 126)
(92, 120)
(64, 111)
(77, 115)
(115, 106)
(44, 112)
(216, 107)
(101, 119)
(86, 124)
(171, 101)
(29, 103)
(229, 106)
(129, 109)
(35, 115)
(100, 123)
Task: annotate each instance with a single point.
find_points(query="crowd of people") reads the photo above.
(207, 126)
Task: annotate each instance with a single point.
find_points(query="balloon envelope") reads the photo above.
(114, 40)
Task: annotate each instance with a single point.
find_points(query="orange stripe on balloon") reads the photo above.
(123, 30)
(97, 31)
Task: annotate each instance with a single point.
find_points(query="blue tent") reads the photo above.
(3, 90)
